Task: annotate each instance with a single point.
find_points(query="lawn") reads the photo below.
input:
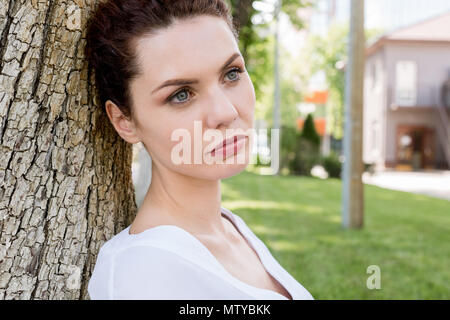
(299, 219)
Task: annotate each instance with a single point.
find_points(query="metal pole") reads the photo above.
(352, 192)
(275, 138)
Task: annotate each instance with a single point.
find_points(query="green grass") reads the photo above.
(299, 219)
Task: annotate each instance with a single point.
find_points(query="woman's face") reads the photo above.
(213, 93)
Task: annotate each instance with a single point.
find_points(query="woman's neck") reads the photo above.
(191, 203)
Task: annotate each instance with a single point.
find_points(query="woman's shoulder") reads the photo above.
(168, 237)
(151, 242)
(165, 258)
(142, 269)
(157, 263)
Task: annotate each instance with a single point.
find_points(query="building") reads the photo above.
(405, 124)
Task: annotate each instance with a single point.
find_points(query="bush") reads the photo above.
(288, 143)
(332, 165)
(260, 162)
(307, 149)
(306, 157)
(309, 130)
(369, 167)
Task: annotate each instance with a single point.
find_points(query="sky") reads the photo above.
(380, 14)
(392, 14)
(387, 15)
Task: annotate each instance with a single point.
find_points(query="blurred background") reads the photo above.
(297, 54)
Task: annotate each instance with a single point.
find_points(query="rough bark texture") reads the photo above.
(242, 11)
(65, 175)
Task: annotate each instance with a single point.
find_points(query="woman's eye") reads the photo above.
(181, 96)
(233, 74)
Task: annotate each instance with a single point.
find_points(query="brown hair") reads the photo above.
(115, 25)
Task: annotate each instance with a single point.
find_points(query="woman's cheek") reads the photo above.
(248, 99)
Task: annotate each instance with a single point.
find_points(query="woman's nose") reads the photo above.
(220, 110)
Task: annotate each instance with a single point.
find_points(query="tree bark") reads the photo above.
(65, 174)
(242, 12)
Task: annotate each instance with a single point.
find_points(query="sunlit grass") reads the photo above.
(299, 219)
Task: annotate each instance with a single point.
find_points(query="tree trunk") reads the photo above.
(242, 11)
(65, 174)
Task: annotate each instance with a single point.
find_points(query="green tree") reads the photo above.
(309, 131)
(291, 95)
(288, 145)
(307, 149)
(329, 54)
(259, 65)
(243, 12)
(256, 43)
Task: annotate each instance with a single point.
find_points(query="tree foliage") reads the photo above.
(329, 54)
(243, 12)
(256, 42)
(309, 131)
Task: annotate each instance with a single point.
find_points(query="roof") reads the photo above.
(434, 29)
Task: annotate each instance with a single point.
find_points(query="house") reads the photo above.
(406, 125)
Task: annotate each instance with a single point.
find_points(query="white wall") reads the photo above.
(433, 62)
(374, 109)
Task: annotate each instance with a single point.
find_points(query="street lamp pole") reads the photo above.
(276, 133)
(352, 192)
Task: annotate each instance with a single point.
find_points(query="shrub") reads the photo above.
(309, 130)
(306, 157)
(369, 167)
(307, 149)
(288, 143)
(332, 165)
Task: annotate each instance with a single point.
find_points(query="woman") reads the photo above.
(167, 70)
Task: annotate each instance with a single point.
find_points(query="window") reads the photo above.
(376, 75)
(406, 83)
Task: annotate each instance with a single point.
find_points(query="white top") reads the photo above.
(167, 262)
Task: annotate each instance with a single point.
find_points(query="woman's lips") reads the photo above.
(230, 146)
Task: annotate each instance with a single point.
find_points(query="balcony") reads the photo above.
(424, 96)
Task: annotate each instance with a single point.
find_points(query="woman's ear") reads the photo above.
(124, 126)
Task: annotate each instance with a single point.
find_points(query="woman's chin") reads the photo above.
(212, 171)
(224, 171)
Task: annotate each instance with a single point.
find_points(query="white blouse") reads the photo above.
(167, 262)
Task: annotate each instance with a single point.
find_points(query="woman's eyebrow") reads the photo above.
(176, 82)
